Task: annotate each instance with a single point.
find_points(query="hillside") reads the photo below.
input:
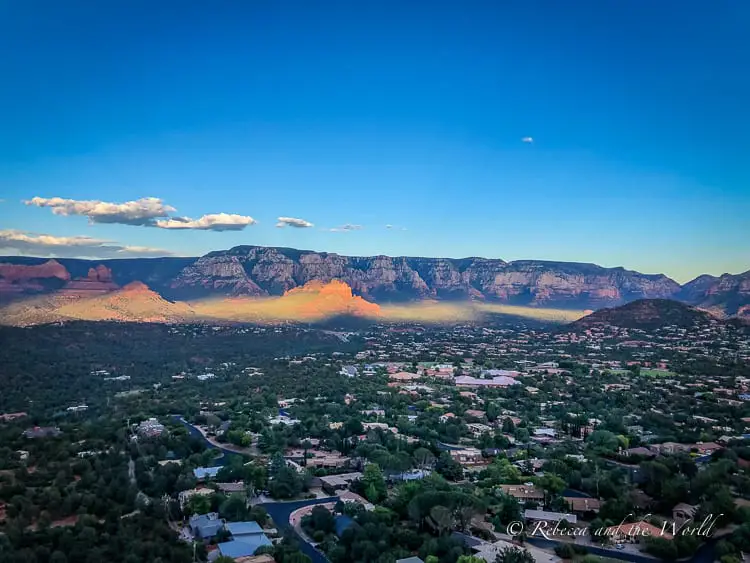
(646, 314)
(724, 295)
(133, 303)
(312, 302)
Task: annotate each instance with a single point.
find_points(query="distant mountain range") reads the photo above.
(253, 271)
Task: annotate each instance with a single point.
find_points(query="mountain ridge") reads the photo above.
(257, 271)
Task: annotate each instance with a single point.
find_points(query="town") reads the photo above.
(389, 443)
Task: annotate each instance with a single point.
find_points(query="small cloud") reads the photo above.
(37, 244)
(293, 222)
(396, 227)
(389, 226)
(212, 222)
(529, 140)
(346, 228)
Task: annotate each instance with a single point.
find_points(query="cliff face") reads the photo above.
(17, 279)
(250, 271)
(97, 281)
(724, 295)
(259, 271)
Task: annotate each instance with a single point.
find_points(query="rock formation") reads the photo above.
(259, 271)
(17, 279)
(252, 271)
(97, 282)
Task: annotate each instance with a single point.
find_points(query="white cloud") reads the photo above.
(145, 212)
(529, 140)
(212, 222)
(391, 227)
(142, 211)
(36, 244)
(293, 222)
(346, 228)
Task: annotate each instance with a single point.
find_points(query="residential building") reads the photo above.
(635, 531)
(523, 492)
(42, 432)
(150, 428)
(547, 516)
(333, 483)
(583, 505)
(204, 473)
(205, 526)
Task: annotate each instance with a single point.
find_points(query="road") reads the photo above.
(281, 511)
(226, 449)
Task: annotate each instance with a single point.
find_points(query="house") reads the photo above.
(403, 376)
(265, 558)
(477, 429)
(683, 513)
(546, 516)
(707, 448)
(634, 531)
(42, 432)
(411, 475)
(349, 371)
(523, 492)
(501, 381)
(583, 505)
(232, 488)
(333, 483)
(350, 497)
(640, 451)
(467, 456)
(240, 548)
(490, 551)
(185, 496)
(243, 529)
(203, 473)
(472, 413)
(670, 448)
(283, 419)
(150, 428)
(9, 416)
(446, 417)
(205, 526)
(414, 559)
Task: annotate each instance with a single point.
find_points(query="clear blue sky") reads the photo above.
(376, 113)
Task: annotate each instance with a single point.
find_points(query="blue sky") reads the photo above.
(375, 113)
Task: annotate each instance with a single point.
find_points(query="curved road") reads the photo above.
(281, 511)
(225, 451)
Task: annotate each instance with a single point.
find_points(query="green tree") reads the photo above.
(234, 508)
(449, 467)
(373, 483)
(514, 555)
